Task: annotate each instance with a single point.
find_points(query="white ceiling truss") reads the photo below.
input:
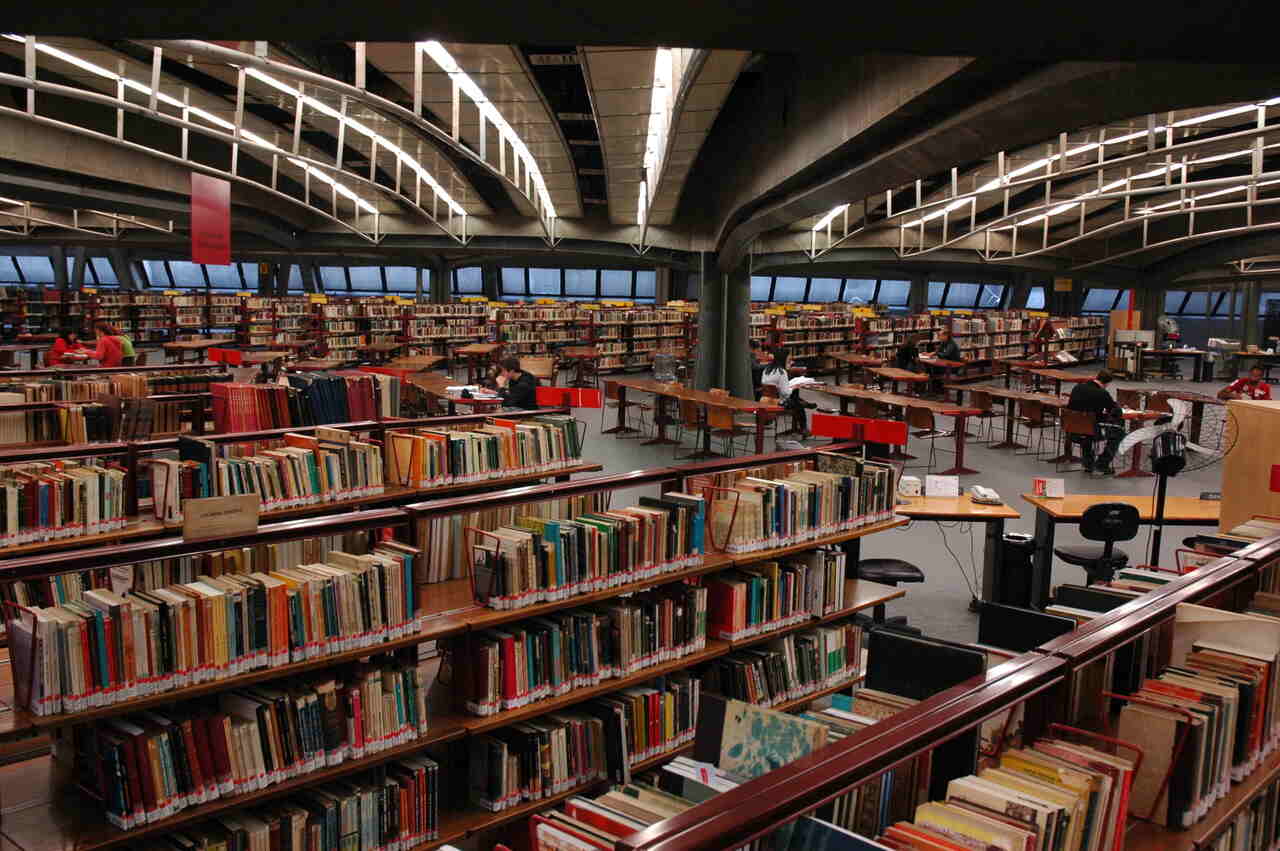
(1046, 199)
(21, 218)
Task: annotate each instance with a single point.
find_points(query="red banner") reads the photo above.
(210, 220)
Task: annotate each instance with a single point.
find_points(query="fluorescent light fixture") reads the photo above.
(208, 117)
(442, 58)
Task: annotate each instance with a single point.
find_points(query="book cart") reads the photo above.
(1061, 688)
(447, 619)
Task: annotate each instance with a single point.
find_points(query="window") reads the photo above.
(333, 279)
(157, 274)
(365, 278)
(580, 283)
(404, 279)
(1223, 306)
(468, 281)
(646, 285)
(513, 282)
(36, 270)
(1122, 303)
(892, 293)
(1197, 304)
(991, 297)
(105, 271)
(8, 271)
(962, 295)
(937, 289)
(788, 289)
(824, 289)
(294, 279)
(71, 271)
(544, 282)
(187, 275)
(859, 291)
(616, 283)
(1098, 300)
(1035, 298)
(760, 287)
(1267, 303)
(249, 271)
(220, 277)
(1173, 300)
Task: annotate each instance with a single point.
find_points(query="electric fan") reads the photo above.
(1198, 434)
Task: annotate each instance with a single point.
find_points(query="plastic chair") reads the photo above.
(691, 417)
(1107, 522)
(721, 424)
(1080, 427)
(887, 571)
(1033, 416)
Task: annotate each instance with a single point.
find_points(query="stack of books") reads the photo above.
(548, 657)
(790, 667)
(498, 448)
(48, 500)
(770, 596)
(109, 647)
(536, 759)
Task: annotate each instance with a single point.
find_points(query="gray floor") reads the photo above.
(951, 554)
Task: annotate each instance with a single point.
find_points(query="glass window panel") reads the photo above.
(71, 270)
(294, 281)
(1097, 300)
(824, 289)
(1223, 307)
(8, 271)
(513, 281)
(1197, 304)
(544, 282)
(1173, 300)
(788, 289)
(37, 270)
(249, 271)
(962, 295)
(404, 279)
(333, 279)
(615, 283)
(186, 274)
(157, 274)
(1035, 298)
(893, 293)
(104, 270)
(859, 290)
(760, 287)
(221, 277)
(936, 290)
(580, 282)
(646, 284)
(991, 297)
(367, 278)
(1123, 303)
(468, 280)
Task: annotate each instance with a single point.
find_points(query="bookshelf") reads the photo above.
(540, 329)
(628, 337)
(448, 616)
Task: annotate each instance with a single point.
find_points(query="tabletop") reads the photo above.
(478, 348)
(579, 352)
(659, 388)
(261, 357)
(932, 361)
(318, 363)
(420, 361)
(895, 399)
(1063, 375)
(954, 508)
(1174, 352)
(193, 345)
(1184, 509)
(892, 372)
(856, 360)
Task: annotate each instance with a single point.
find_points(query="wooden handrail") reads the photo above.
(203, 366)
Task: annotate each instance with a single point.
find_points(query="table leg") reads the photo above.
(1042, 560)
(991, 560)
(898, 453)
(660, 420)
(1197, 420)
(960, 469)
(1008, 442)
(1008, 375)
(844, 406)
(621, 427)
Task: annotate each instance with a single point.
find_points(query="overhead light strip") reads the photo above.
(438, 54)
(204, 115)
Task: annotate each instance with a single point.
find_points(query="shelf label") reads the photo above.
(220, 517)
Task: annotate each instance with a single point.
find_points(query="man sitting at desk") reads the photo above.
(946, 349)
(1253, 387)
(1092, 397)
(518, 388)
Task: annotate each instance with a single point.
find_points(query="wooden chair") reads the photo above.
(981, 400)
(769, 393)
(1131, 399)
(1159, 402)
(613, 399)
(542, 368)
(691, 417)
(922, 420)
(1080, 427)
(722, 425)
(1034, 417)
(867, 408)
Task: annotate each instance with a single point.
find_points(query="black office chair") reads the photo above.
(887, 571)
(1107, 522)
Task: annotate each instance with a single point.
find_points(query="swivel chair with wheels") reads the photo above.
(887, 571)
(1107, 522)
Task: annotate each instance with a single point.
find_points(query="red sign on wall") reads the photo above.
(210, 220)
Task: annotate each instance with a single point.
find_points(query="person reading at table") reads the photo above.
(1094, 398)
(778, 374)
(65, 347)
(908, 353)
(945, 349)
(518, 388)
(109, 351)
(1252, 387)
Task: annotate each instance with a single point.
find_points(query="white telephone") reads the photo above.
(984, 495)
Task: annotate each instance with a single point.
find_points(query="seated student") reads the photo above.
(518, 388)
(109, 351)
(945, 349)
(908, 353)
(1253, 387)
(1092, 397)
(67, 342)
(757, 359)
(127, 354)
(778, 375)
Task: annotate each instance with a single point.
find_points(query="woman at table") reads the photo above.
(109, 351)
(908, 354)
(778, 375)
(64, 349)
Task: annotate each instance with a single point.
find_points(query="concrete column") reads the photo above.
(1151, 303)
(266, 278)
(1252, 323)
(723, 333)
(310, 280)
(491, 281)
(123, 267)
(1019, 288)
(440, 284)
(78, 261)
(918, 300)
(662, 287)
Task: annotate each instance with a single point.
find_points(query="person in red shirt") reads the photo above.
(67, 342)
(1252, 387)
(109, 352)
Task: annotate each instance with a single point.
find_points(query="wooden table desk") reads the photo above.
(894, 375)
(199, 347)
(1059, 377)
(1265, 360)
(1197, 359)
(662, 391)
(854, 362)
(420, 362)
(1178, 511)
(262, 357)
(948, 367)
(579, 357)
(965, 510)
(318, 364)
(1012, 365)
(946, 409)
(380, 351)
(437, 383)
(475, 357)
